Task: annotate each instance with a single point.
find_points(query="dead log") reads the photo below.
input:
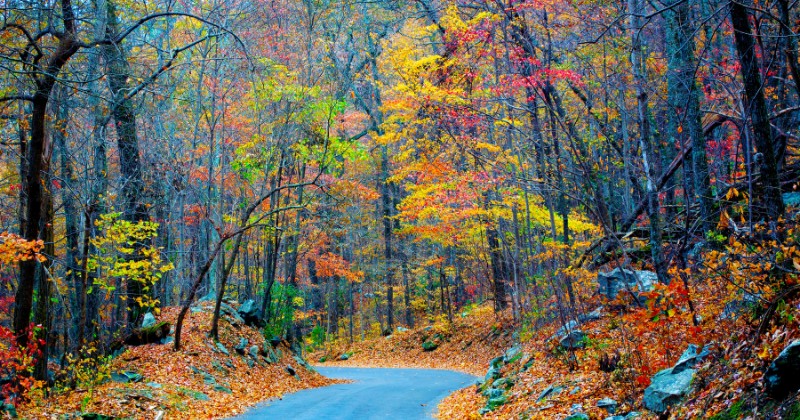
(140, 336)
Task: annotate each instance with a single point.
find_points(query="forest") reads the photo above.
(596, 189)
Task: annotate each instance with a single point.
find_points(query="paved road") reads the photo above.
(376, 393)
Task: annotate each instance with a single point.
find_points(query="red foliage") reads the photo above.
(16, 364)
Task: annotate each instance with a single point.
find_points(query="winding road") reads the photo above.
(375, 393)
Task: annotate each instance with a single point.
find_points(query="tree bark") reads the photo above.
(770, 203)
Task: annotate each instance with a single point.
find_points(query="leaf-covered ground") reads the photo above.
(467, 345)
(174, 385)
(645, 340)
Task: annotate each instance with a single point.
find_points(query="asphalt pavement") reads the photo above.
(375, 393)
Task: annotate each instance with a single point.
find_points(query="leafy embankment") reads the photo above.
(621, 348)
(467, 344)
(203, 380)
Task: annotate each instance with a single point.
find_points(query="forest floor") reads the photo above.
(542, 381)
(474, 338)
(200, 381)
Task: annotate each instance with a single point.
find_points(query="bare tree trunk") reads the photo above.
(770, 203)
(635, 8)
(684, 97)
(134, 209)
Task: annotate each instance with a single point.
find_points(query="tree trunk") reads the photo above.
(684, 98)
(770, 203)
(38, 165)
(645, 140)
(133, 207)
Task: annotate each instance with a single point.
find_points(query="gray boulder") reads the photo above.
(549, 392)
(240, 348)
(511, 353)
(250, 313)
(221, 348)
(783, 375)
(619, 280)
(573, 341)
(690, 358)
(253, 352)
(592, 316)
(608, 404)
(667, 388)
(149, 320)
(269, 353)
(567, 328)
(290, 370)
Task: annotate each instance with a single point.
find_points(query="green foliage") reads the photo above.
(734, 412)
(283, 314)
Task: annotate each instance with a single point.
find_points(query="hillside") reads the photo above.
(202, 380)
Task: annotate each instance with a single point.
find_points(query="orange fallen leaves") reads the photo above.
(169, 382)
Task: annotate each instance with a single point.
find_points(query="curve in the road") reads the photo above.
(375, 393)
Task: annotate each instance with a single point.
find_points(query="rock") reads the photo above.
(492, 374)
(578, 416)
(667, 389)
(126, 377)
(428, 328)
(253, 352)
(401, 329)
(222, 388)
(690, 358)
(496, 402)
(576, 408)
(550, 391)
(269, 355)
(250, 313)
(614, 418)
(149, 320)
(592, 316)
(215, 364)
(167, 340)
(573, 341)
(240, 348)
(302, 362)
(503, 383)
(222, 349)
(791, 198)
(608, 404)
(155, 385)
(632, 415)
(429, 346)
(567, 328)
(290, 370)
(511, 353)
(194, 394)
(736, 308)
(575, 390)
(345, 356)
(619, 280)
(783, 375)
(492, 393)
(250, 363)
(229, 364)
(275, 341)
(497, 362)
